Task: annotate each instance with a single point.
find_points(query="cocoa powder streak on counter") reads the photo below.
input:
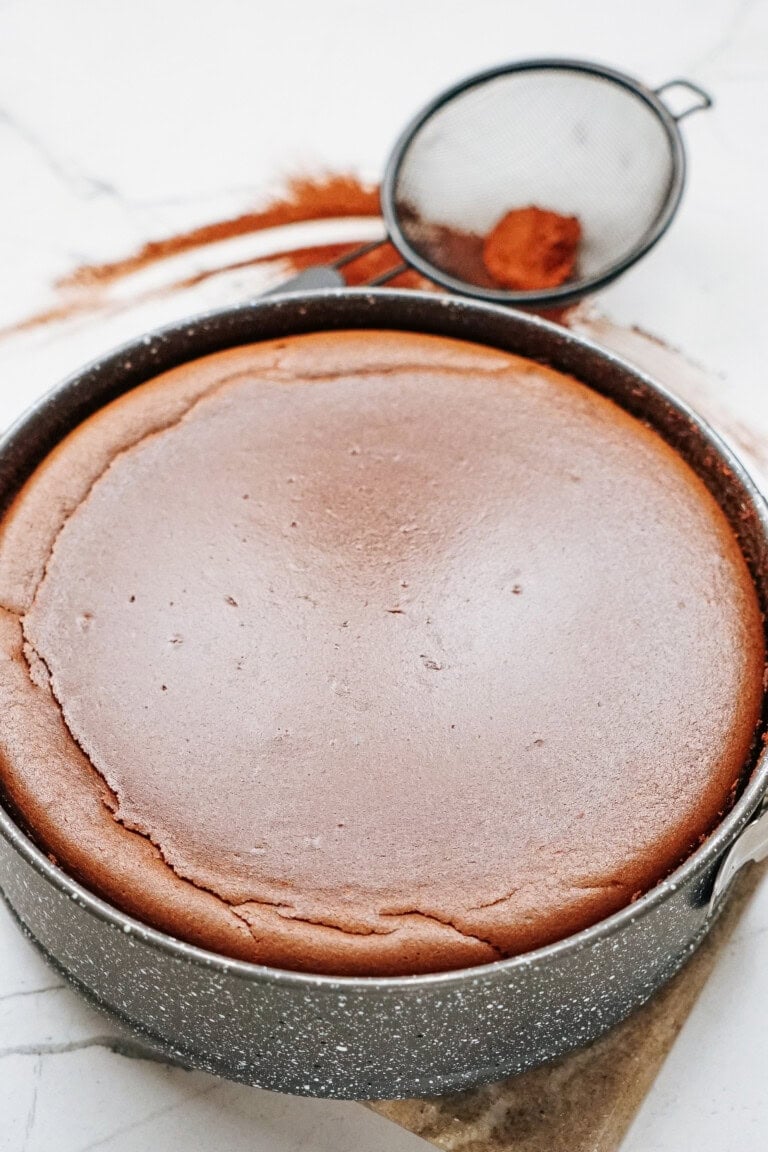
(305, 198)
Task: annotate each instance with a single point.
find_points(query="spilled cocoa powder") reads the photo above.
(85, 290)
(305, 198)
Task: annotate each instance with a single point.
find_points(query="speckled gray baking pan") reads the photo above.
(365, 1037)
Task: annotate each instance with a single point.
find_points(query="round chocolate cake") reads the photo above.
(371, 653)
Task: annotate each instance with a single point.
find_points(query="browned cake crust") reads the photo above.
(371, 653)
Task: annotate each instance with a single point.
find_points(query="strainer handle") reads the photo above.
(701, 100)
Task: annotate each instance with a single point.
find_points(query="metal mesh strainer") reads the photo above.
(576, 138)
(568, 136)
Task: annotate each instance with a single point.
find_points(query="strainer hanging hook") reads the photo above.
(702, 99)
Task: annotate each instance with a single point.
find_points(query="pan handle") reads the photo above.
(752, 844)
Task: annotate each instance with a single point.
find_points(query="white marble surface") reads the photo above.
(123, 121)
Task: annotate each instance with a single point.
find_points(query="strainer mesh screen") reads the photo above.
(575, 143)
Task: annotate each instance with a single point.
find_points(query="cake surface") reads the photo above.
(371, 653)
